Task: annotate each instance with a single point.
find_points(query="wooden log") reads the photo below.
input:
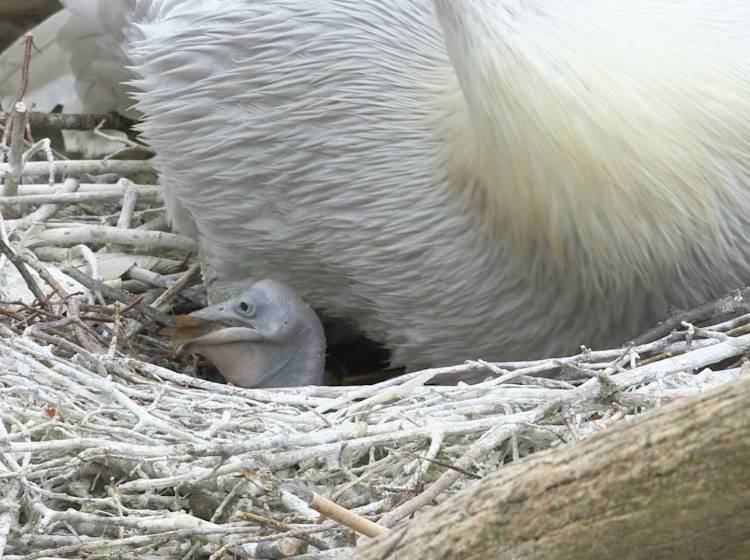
(674, 483)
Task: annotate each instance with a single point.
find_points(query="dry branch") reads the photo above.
(118, 188)
(735, 302)
(70, 121)
(46, 210)
(346, 517)
(8, 252)
(148, 312)
(103, 195)
(12, 177)
(76, 168)
(147, 241)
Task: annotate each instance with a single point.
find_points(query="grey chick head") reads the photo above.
(265, 336)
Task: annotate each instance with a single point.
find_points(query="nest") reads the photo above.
(110, 445)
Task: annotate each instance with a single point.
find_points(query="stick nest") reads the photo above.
(110, 447)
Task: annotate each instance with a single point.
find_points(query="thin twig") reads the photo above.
(15, 165)
(346, 517)
(24, 272)
(23, 86)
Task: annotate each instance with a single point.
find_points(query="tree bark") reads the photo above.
(674, 483)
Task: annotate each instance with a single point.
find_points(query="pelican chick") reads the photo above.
(265, 336)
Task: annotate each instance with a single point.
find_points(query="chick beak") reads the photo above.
(214, 314)
(212, 326)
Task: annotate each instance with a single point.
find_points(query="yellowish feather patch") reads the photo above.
(611, 151)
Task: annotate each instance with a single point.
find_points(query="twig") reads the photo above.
(269, 521)
(144, 311)
(737, 301)
(117, 190)
(15, 165)
(76, 168)
(129, 201)
(491, 439)
(70, 121)
(464, 472)
(126, 141)
(45, 211)
(282, 548)
(23, 271)
(25, 61)
(161, 303)
(45, 275)
(87, 342)
(345, 517)
(144, 240)
(104, 195)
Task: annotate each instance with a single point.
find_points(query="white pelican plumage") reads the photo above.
(458, 178)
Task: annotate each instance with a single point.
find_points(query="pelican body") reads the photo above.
(498, 179)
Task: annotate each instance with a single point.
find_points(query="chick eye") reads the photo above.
(246, 307)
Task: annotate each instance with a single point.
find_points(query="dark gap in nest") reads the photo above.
(355, 361)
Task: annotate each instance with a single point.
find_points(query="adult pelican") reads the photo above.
(457, 178)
